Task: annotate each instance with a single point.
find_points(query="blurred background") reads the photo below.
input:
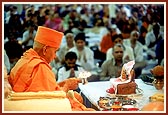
(95, 20)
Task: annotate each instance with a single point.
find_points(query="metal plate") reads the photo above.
(106, 103)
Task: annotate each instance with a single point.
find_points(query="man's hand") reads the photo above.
(72, 83)
(72, 73)
(126, 59)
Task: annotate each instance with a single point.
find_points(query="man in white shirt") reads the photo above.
(152, 38)
(70, 68)
(84, 54)
(137, 48)
(28, 36)
(64, 49)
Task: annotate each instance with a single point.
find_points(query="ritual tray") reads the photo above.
(119, 103)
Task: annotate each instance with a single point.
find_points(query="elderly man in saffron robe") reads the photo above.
(32, 73)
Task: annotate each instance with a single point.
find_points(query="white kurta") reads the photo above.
(89, 64)
(64, 74)
(138, 50)
(26, 36)
(150, 38)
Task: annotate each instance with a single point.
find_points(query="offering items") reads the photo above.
(83, 76)
(120, 103)
(158, 74)
(125, 83)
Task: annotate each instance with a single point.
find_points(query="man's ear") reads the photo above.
(44, 50)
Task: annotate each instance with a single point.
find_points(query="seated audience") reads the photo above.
(160, 51)
(13, 49)
(106, 41)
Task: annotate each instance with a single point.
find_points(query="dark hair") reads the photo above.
(117, 36)
(80, 36)
(70, 55)
(156, 26)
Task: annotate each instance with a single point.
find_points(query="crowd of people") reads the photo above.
(21, 22)
(130, 32)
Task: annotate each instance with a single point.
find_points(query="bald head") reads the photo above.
(37, 45)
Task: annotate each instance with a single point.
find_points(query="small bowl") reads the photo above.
(129, 108)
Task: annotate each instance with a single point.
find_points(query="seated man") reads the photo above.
(70, 43)
(85, 54)
(127, 53)
(70, 68)
(112, 68)
(32, 73)
(137, 49)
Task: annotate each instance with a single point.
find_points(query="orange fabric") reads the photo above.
(69, 84)
(106, 43)
(145, 24)
(32, 73)
(49, 36)
(78, 97)
(77, 106)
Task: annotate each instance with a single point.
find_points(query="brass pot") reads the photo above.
(158, 82)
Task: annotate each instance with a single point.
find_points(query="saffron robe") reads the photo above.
(32, 73)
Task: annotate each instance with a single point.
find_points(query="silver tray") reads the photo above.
(110, 101)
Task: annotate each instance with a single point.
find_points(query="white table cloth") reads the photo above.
(94, 90)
